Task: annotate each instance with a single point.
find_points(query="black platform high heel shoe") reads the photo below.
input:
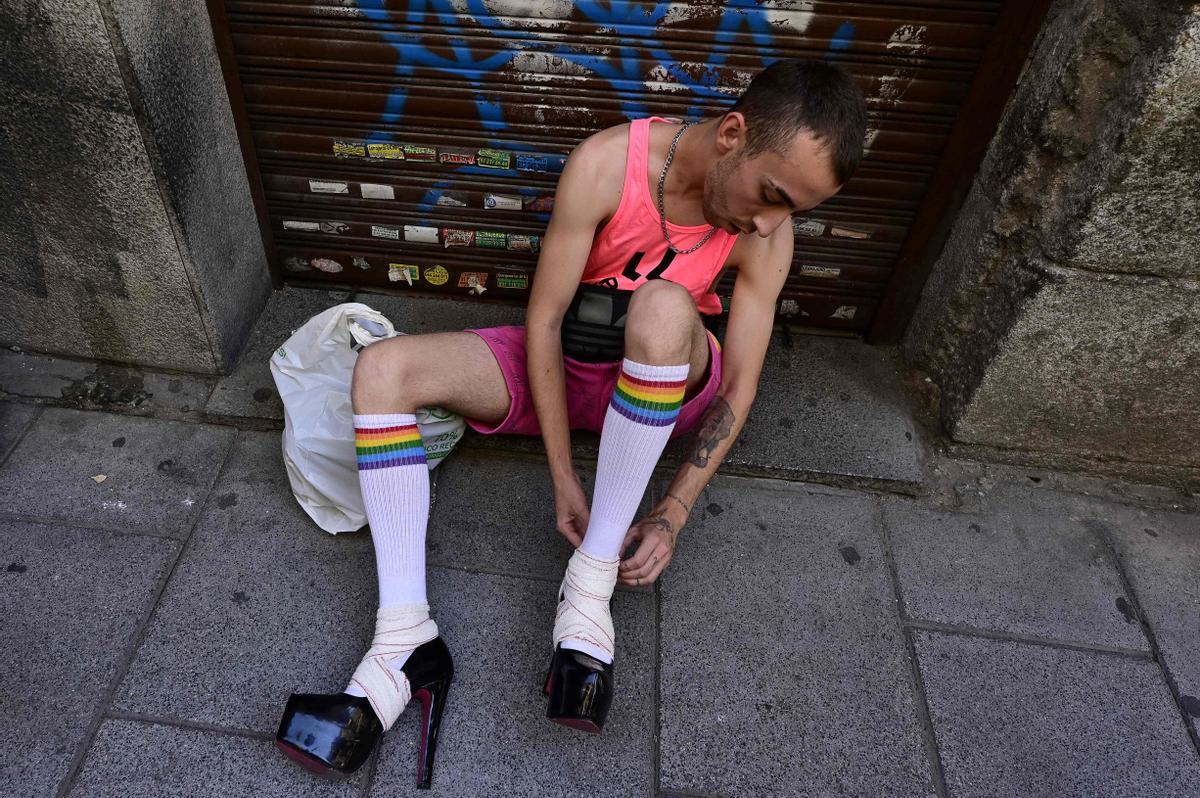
(580, 688)
(333, 734)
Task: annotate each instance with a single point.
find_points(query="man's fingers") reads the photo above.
(647, 561)
(638, 560)
(567, 529)
(634, 534)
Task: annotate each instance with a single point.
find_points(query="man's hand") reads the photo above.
(656, 534)
(571, 509)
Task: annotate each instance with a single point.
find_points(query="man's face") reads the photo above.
(751, 195)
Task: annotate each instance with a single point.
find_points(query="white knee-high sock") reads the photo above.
(394, 478)
(637, 426)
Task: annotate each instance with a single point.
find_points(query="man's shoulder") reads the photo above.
(605, 148)
(596, 171)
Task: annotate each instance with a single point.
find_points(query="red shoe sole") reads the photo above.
(575, 723)
(309, 763)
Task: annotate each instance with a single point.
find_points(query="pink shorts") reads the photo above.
(589, 387)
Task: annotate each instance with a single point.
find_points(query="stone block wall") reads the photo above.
(127, 232)
(1063, 315)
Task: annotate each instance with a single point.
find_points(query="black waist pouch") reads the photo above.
(593, 328)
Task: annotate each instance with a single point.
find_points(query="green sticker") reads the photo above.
(494, 159)
(489, 239)
(416, 152)
(518, 282)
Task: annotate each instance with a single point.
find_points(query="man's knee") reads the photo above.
(662, 319)
(379, 367)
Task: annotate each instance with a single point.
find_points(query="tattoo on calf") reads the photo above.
(717, 423)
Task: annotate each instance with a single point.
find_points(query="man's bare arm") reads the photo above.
(751, 321)
(581, 203)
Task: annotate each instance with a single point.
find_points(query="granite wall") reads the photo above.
(127, 232)
(1063, 315)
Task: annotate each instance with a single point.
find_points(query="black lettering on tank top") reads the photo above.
(630, 271)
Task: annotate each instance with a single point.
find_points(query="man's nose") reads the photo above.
(765, 223)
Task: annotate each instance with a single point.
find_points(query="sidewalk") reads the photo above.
(914, 627)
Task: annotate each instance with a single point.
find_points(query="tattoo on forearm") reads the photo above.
(682, 503)
(716, 426)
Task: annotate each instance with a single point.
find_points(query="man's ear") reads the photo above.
(731, 132)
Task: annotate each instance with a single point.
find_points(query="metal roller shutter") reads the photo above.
(416, 146)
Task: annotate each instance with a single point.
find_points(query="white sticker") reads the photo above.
(503, 202)
(383, 231)
(826, 272)
(377, 191)
(420, 234)
(451, 202)
(293, 224)
(808, 227)
(844, 312)
(328, 187)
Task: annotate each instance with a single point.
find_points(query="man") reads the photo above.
(647, 216)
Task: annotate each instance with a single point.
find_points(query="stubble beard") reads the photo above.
(715, 205)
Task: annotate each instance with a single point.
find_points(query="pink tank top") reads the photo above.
(630, 249)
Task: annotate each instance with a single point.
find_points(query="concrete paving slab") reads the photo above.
(132, 759)
(155, 473)
(94, 384)
(827, 406)
(40, 376)
(14, 419)
(1016, 719)
(249, 391)
(1013, 568)
(177, 391)
(783, 667)
(263, 603)
(495, 738)
(496, 514)
(1160, 553)
(71, 600)
(417, 315)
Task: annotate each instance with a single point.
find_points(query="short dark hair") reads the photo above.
(797, 94)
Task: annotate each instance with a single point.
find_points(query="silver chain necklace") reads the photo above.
(662, 214)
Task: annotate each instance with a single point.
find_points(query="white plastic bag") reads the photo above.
(312, 372)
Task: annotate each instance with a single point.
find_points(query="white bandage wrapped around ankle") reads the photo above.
(583, 609)
(398, 629)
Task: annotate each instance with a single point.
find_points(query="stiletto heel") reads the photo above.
(580, 688)
(333, 734)
(433, 703)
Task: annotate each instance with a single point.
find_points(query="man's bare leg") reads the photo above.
(454, 370)
(392, 379)
(666, 351)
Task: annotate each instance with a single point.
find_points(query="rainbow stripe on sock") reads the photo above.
(385, 447)
(651, 402)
